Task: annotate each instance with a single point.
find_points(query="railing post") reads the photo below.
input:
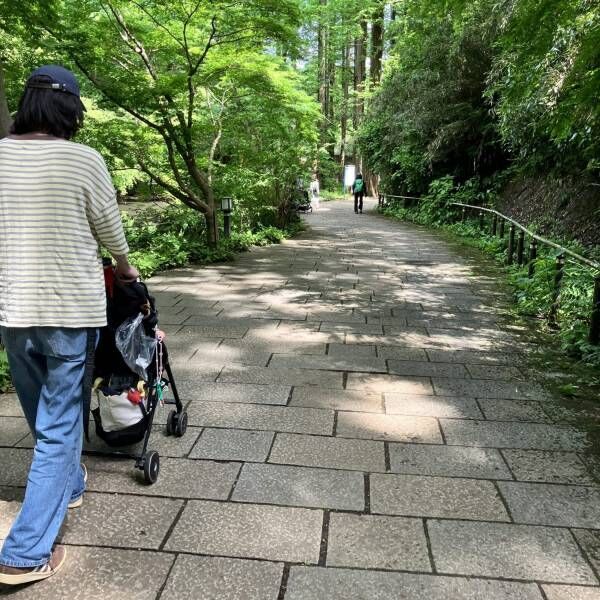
(595, 322)
(501, 233)
(558, 276)
(481, 219)
(495, 225)
(511, 244)
(532, 257)
(520, 247)
(464, 214)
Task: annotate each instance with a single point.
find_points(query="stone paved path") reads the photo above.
(362, 427)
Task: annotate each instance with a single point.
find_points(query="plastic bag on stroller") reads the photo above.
(136, 348)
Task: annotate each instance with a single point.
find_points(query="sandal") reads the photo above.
(79, 501)
(20, 576)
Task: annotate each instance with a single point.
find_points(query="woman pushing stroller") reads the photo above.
(52, 302)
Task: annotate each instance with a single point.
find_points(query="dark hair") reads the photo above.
(48, 111)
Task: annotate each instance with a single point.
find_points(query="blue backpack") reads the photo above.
(359, 185)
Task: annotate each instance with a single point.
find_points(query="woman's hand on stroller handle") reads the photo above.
(124, 271)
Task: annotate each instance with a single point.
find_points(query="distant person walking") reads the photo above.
(315, 192)
(358, 189)
(57, 203)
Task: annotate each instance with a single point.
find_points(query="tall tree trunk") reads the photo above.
(5, 119)
(344, 108)
(377, 32)
(360, 67)
(377, 44)
(323, 68)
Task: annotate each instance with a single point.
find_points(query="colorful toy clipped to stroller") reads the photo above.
(132, 375)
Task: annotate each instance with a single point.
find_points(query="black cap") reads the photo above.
(61, 80)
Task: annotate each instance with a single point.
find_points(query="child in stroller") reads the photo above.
(132, 373)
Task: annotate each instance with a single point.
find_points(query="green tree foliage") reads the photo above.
(545, 83)
(470, 87)
(176, 76)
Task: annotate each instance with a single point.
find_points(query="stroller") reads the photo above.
(301, 201)
(132, 374)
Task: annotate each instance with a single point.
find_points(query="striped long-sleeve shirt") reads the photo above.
(57, 203)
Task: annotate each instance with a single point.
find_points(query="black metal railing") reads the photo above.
(515, 253)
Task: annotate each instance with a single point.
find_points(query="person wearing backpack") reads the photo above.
(358, 189)
(57, 203)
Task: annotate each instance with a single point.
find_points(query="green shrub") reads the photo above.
(162, 239)
(5, 381)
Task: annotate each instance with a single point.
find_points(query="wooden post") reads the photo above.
(595, 321)
(511, 244)
(558, 276)
(501, 232)
(495, 225)
(520, 247)
(532, 257)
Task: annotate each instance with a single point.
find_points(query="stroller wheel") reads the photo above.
(181, 424)
(151, 466)
(172, 422)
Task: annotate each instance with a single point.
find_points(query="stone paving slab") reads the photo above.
(352, 328)
(451, 461)
(179, 477)
(590, 543)
(514, 410)
(544, 504)
(490, 371)
(535, 436)
(226, 354)
(347, 400)
(549, 467)
(330, 363)
(398, 428)
(415, 495)
(233, 444)
(10, 406)
(102, 574)
(282, 375)
(218, 578)
(486, 388)
(277, 344)
(10, 504)
(390, 383)
(214, 331)
(121, 521)
(398, 353)
(300, 486)
(14, 466)
(254, 416)
(509, 551)
(246, 393)
(373, 542)
(166, 445)
(248, 531)
(313, 583)
(426, 369)
(431, 406)
(348, 351)
(13, 429)
(327, 452)
(571, 592)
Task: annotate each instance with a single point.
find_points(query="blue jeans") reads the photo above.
(47, 366)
